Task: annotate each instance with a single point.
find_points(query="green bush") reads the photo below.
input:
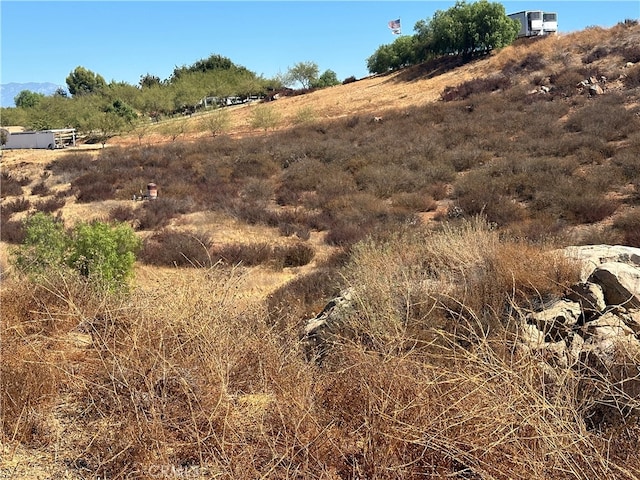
(103, 253)
(45, 243)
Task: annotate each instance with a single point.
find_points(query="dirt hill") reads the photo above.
(199, 372)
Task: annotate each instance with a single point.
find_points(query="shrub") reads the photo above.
(565, 83)
(632, 77)
(264, 117)
(40, 189)
(171, 248)
(302, 297)
(217, 122)
(12, 231)
(588, 207)
(45, 245)
(414, 202)
(475, 86)
(243, 254)
(18, 205)
(628, 225)
(11, 186)
(596, 54)
(102, 253)
(532, 62)
(50, 205)
(304, 115)
(158, 213)
(605, 118)
(122, 213)
(295, 255)
(92, 187)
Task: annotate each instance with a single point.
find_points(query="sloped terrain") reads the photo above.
(199, 371)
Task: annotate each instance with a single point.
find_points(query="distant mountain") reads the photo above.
(8, 91)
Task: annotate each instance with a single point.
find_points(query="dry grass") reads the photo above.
(193, 380)
(199, 373)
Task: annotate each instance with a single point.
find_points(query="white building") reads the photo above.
(536, 22)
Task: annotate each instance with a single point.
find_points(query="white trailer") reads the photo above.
(51, 139)
(536, 22)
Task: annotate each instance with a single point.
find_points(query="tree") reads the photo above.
(327, 79)
(465, 29)
(148, 80)
(82, 81)
(401, 53)
(121, 109)
(104, 125)
(305, 73)
(382, 60)
(27, 99)
(60, 92)
(469, 28)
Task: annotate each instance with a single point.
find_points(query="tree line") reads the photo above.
(100, 109)
(466, 29)
(97, 108)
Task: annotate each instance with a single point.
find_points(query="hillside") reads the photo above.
(441, 194)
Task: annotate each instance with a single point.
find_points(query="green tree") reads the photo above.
(328, 79)
(148, 80)
(82, 81)
(109, 124)
(121, 109)
(469, 28)
(382, 59)
(401, 53)
(13, 116)
(60, 92)
(304, 73)
(27, 99)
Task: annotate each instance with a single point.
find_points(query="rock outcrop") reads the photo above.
(594, 330)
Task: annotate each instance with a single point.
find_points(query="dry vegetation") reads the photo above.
(444, 215)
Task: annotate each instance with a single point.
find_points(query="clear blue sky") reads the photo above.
(44, 41)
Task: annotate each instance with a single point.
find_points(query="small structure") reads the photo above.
(51, 139)
(536, 22)
(152, 193)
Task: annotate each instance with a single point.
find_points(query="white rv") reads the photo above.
(536, 22)
(51, 139)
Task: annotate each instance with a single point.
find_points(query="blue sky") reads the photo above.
(44, 41)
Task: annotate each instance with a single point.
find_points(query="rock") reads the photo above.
(557, 320)
(318, 331)
(620, 283)
(595, 90)
(590, 297)
(593, 255)
(631, 318)
(532, 337)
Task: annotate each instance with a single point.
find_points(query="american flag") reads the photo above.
(394, 25)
